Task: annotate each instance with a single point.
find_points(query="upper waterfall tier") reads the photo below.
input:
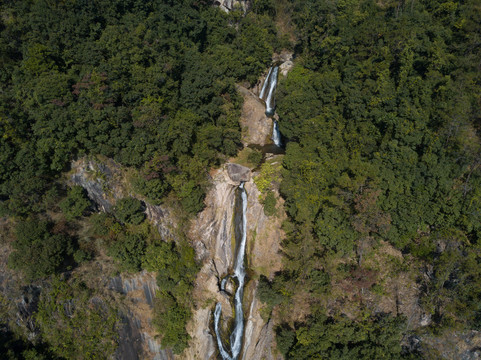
(268, 90)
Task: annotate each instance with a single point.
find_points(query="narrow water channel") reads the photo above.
(233, 351)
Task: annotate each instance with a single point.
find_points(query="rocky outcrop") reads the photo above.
(213, 238)
(100, 180)
(451, 345)
(259, 336)
(285, 60)
(137, 336)
(163, 219)
(238, 173)
(104, 182)
(229, 5)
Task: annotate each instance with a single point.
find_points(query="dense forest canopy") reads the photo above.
(144, 82)
(150, 84)
(381, 116)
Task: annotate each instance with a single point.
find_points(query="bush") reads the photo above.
(171, 318)
(319, 281)
(129, 211)
(255, 158)
(285, 338)
(269, 203)
(75, 323)
(154, 190)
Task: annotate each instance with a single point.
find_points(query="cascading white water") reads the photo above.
(276, 135)
(268, 90)
(270, 86)
(270, 103)
(264, 86)
(239, 274)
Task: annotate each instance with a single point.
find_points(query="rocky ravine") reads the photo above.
(212, 235)
(104, 182)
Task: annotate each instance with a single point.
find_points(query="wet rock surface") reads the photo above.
(285, 60)
(213, 239)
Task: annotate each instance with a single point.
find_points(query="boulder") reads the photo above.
(238, 173)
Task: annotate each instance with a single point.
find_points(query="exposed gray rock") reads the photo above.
(238, 173)
(229, 5)
(162, 219)
(96, 177)
(104, 185)
(452, 344)
(285, 60)
(129, 338)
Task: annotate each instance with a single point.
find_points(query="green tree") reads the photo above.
(75, 323)
(37, 252)
(269, 203)
(75, 204)
(129, 211)
(129, 250)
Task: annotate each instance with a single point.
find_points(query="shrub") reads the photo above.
(255, 158)
(269, 203)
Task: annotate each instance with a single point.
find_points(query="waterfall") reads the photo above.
(264, 86)
(268, 90)
(276, 135)
(239, 274)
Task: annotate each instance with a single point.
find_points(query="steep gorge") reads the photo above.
(214, 238)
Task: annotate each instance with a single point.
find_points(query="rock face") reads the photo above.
(453, 345)
(103, 181)
(256, 126)
(213, 238)
(136, 339)
(95, 177)
(259, 336)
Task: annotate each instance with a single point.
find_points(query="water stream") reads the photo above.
(268, 90)
(276, 135)
(232, 350)
(239, 274)
(267, 94)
